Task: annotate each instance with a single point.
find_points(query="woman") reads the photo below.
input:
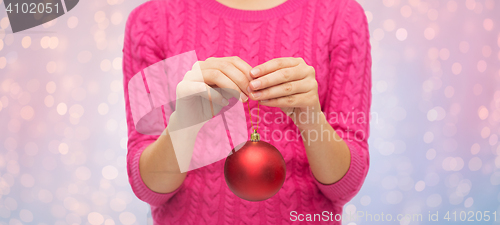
(289, 56)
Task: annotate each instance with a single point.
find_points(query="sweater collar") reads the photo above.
(252, 15)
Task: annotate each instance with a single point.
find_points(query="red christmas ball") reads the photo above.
(256, 171)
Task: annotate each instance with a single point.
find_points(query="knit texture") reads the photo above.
(330, 35)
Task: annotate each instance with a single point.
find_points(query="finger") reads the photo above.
(296, 100)
(282, 90)
(194, 74)
(243, 66)
(228, 93)
(217, 78)
(213, 96)
(226, 66)
(274, 65)
(277, 77)
(188, 88)
(235, 74)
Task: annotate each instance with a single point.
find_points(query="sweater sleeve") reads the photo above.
(347, 106)
(141, 49)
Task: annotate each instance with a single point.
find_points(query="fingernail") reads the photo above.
(264, 100)
(256, 94)
(225, 102)
(255, 84)
(243, 97)
(248, 89)
(255, 71)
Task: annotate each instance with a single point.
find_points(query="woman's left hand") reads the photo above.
(288, 83)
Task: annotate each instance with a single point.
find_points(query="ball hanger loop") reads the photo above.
(254, 136)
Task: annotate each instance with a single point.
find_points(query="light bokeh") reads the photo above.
(436, 73)
(63, 143)
(434, 139)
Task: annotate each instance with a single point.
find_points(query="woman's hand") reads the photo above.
(206, 88)
(226, 72)
(288, 83)
(202, 93)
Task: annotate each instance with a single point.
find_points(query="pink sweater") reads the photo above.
(330, 35)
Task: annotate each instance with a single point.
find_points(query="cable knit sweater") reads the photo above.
(330, 35)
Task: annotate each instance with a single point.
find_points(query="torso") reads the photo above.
(213, 32)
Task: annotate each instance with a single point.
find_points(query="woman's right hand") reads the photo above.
(227, 72)
(206, 88)
(163, 163)
(201, 95)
